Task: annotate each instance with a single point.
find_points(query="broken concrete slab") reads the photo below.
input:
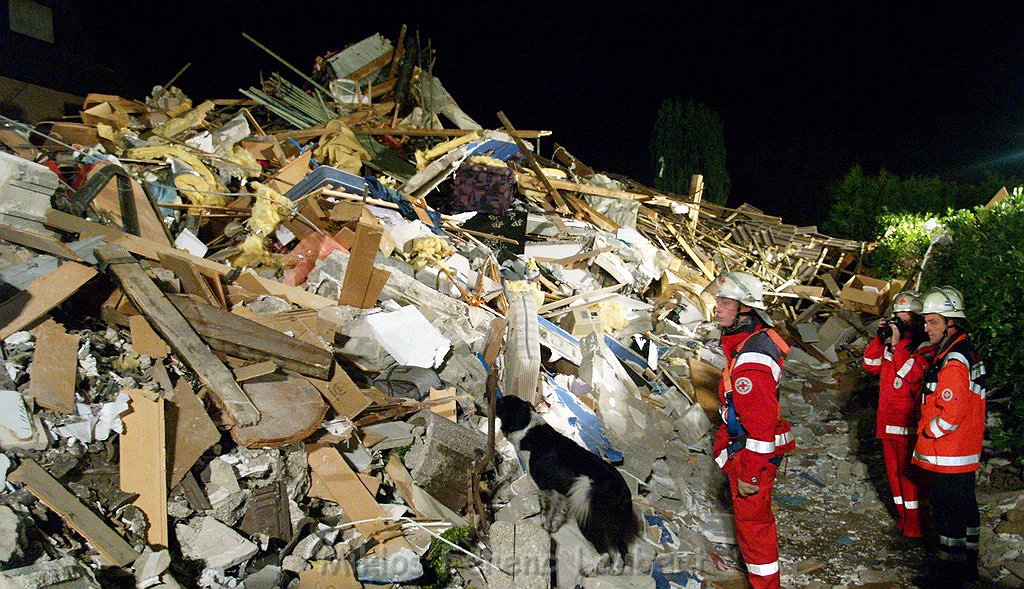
(66, 573)
(12, 535)
(213, 543)
(522, 551)
(449, 451)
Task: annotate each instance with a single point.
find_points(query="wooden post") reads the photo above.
(695, 195)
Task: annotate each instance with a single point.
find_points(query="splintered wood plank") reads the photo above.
(292, 409)
(193, 434)
(344, 396)
(346, 489)
(47, 489)
(43, 294)
(192, 282)
(178, 333)
(442, 402)
(229, 333)
(54, 369)
(143, 465)
(38, 241)
(255, 370)
(145, 340)
(108, 200)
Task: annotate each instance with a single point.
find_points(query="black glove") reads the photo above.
(884, 331)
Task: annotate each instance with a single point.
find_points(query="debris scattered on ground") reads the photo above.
(247, 341)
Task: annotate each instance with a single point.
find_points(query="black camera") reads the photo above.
(884, 330)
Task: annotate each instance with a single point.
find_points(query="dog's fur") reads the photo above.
(572, 479)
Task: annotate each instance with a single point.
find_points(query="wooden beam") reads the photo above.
(376, 65)
(243, 338)
(531, 161)
(162, 315)
(695, 196)
(567, 300)
(192, 282)
(527, 181)
(414, 132)
(54, 495)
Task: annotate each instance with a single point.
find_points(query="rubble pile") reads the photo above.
(256, 343)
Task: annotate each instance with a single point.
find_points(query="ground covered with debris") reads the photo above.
(256, 342)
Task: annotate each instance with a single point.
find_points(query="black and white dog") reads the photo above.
(572, 479)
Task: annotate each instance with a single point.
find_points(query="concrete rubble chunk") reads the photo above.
(399, 566)
(66, 572)
(149, 567)
(450, 450)
(521, 550)
(214, 543)
(12, 535)
(575, 556)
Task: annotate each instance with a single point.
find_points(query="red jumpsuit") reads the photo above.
(750, 383)
(900, 370)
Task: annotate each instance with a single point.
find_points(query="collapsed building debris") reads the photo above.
(245, 343)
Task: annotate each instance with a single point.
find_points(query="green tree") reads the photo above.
(858, 201)
(688, 140)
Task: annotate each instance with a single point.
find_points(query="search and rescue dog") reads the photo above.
(572, 480)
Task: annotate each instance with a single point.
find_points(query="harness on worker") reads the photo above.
(733, 426)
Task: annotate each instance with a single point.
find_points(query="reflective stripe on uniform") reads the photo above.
(946, 425)
(933, 427)
(759, 446)
(958, 357)
(783, 438)
(872, 361)
(910, 504)
(980, 391)
(763, 570)
(759, 358)
(947, 541)
(948, 460)
(973, 532)
(722, 458)
(887, 354)
(897, 500)
(898, 430)
(902, 372)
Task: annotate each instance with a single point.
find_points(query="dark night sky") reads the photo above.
(803, 91)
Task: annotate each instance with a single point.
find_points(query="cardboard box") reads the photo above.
(865, 294)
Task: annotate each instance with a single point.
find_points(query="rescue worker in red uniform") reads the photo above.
(900, 354)
(751, 442)
(950, 434)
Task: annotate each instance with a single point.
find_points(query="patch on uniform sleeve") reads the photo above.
(744, 386)
(897, 382)
(947, 395)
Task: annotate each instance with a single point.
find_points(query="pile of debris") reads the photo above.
(256, 342)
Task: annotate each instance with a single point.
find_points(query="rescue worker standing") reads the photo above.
(900, 354)
(753, 438)
(950, 434)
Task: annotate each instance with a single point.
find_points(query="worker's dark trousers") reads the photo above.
(957, 521)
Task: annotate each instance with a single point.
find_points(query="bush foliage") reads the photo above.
(983, 259)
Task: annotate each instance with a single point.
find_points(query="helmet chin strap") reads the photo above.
(745, 321)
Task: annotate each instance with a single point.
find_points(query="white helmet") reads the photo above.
(742, 287)
(944, 300)
(909, 301)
